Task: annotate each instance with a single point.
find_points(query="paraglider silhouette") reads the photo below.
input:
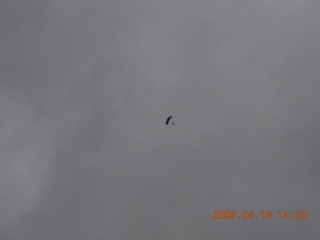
(168, 119)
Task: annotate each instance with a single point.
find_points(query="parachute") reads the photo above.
(168, 119)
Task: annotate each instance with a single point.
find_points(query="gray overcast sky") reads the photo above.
(86, 87)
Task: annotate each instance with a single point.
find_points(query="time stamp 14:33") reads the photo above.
(265, 214)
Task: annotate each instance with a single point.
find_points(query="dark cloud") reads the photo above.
(86, 87)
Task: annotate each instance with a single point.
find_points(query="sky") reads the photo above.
(86, 87)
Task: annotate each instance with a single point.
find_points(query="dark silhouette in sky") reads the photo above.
(168, 119)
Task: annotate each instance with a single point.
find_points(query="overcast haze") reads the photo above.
(86, 87)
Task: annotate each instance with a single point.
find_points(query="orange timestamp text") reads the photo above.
(265, 214)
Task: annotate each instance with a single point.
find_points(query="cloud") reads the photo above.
(86, 87)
